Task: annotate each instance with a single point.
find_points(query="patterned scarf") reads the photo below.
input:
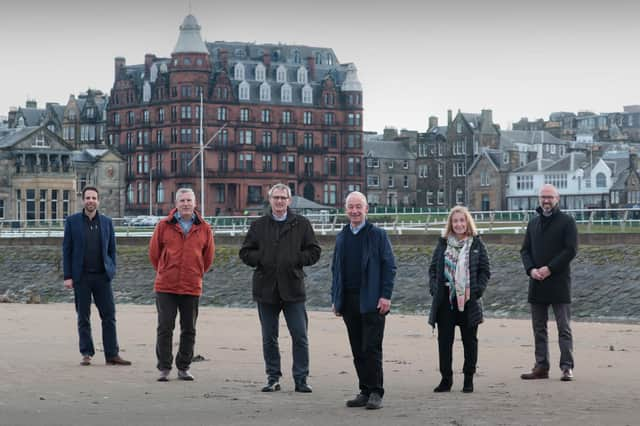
(456, 270)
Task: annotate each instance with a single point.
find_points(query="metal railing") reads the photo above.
(327, 223)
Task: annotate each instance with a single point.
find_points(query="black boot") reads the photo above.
(467, 387)
(445, 384)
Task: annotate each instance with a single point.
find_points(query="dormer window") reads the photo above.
(285, 94)
(329, 59)
(307, 94)
(296, 57)
(243, 91)
(281, 74)
(265, 92)
(238, 71)
(260, 72)
(302, 75)
(90, 112)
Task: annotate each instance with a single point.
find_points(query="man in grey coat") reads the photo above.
(549, 246)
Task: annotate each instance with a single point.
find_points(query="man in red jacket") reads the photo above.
(181, 251)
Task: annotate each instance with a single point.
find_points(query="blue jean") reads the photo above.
(297, 322)
(98, 286)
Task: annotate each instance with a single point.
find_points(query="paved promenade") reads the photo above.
(41, 382)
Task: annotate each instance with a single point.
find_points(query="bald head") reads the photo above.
(548, 197)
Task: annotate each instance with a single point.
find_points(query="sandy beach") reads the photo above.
(42, 382)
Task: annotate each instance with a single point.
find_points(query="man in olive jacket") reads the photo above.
(549, 246)
(278, 245)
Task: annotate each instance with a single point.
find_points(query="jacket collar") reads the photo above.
(197, 219)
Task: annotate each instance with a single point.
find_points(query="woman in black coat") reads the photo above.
(458, 276)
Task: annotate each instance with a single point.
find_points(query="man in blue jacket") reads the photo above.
(89, 262)
(363, 275)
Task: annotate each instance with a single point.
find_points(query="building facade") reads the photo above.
(390, 173)
(37, 178)
(270, 113)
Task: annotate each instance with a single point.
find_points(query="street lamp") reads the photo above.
(151, 191)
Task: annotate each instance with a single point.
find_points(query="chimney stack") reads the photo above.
(311, 67)
(266, 59)
(148, 61)
(119, 64)
(224, 58)
(449, 117)
(433, 122)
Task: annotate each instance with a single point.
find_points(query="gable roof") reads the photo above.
(16, 135)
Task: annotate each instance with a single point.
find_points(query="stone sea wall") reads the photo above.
(606, 276)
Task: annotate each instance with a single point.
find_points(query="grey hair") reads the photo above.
(185, 191)
(358, 194)
(280, 187)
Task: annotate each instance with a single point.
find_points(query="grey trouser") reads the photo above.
(295, 315)
(539, 318)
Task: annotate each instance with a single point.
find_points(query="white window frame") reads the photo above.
(285, 93)
(238, 71)
(265, 92)
(244, 91)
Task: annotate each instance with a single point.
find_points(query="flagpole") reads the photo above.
(201, 160)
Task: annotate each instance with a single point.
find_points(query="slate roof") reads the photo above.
(392, 150)
(533, 166)
(301, 203)
(15, 135)
(528, 137)
(32, 116)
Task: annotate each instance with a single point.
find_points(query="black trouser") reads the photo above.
(447, 320)
(366, 332)
(168, 305)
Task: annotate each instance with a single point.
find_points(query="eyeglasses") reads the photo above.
(278, 198)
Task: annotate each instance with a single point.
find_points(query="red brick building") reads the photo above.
(271, 112)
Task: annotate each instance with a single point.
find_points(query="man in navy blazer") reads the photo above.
(89, 263)
(364, 270)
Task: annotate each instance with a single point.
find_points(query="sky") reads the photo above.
(415, 58)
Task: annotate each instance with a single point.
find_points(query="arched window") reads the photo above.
(281, 74)
(238, 71)
(601, 180)
(285, 94)
(265, 92)
(459, 196)
(307, 94)
(260, 72)
(160, 193)
(296, 57)
(302, 75)
(243, 91)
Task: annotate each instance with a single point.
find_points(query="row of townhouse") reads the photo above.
(589, 126)
(472, 162)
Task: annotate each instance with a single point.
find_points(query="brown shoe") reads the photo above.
(536, 373)
(86, 360)
(116, 360)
